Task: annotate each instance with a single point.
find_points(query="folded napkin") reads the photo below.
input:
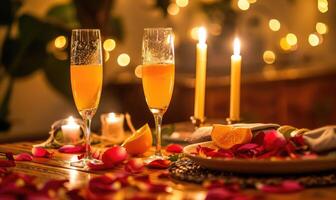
(321, 139)
(203, 134)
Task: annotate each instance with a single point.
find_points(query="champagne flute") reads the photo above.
(86, 80)
(158, 72)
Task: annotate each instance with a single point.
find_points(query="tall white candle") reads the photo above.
(235, 81)
(201, 59)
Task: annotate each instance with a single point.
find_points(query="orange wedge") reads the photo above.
(225, 136)
(140, 141)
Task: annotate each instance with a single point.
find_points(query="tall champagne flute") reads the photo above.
(158, 72)
(86, 80)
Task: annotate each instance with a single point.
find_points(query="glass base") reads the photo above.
(83, 162)
(155, 157)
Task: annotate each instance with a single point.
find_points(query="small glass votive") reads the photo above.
(113, 127)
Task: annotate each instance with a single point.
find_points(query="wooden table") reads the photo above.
(58, 167)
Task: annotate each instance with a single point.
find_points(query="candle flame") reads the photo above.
(111, 115)
(202, 34)
(71, 119)
(236, 46)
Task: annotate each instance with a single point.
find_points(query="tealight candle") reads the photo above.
(113, 127)
(71, 131)
(235, 81)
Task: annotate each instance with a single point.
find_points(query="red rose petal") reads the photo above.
(159, 164)
(274, 140)
(24, 157)
(72, 149)
(74, 194)
(158, 188)
(142, 178)
(287, 186)
(135, 165)
(174, 148)
(114, 155)
(53, 185)
(219, 194)
(9, 162)
(101, 185)
(41, 152)
(101, 166)
(164, 175)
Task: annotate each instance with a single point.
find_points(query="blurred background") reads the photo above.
(288, 51)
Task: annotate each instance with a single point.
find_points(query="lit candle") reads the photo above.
(201, 58)
(113, 127)
(235, 81)
(71, 131)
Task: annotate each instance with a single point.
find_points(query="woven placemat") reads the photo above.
(188, 170)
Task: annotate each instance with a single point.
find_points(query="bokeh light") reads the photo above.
(60, 42)
(269, 57)
(291, 39)
(274, 24)
(314, 39)
(123, 59)
(173, 9)
(182, 3)
(284, 45)
(109, 44)
(252, 1)
(243, 4)
(322, 6)
(321, 28)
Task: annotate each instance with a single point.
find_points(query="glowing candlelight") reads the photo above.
(113, 127)
(71, 130)
(235, 81)
(201, 59)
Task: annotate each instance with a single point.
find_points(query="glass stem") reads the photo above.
(158, 122)
(87, 121)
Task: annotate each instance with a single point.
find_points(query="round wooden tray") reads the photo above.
(260, 166)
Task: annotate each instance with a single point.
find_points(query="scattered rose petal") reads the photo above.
(100, 166)
(41, 152)
(53, 185)
(135, 165)
(219, 194)
(72, 149)
(174, 148)
(159, 164)
(273, 140)
(287, 186)
(143, 178)
(3, 170)
(164, 175)
(114, 155)
(157, 188)
(101, 185)
(24, 157)
(74, 194)
(9, 162)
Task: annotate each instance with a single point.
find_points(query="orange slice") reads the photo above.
(140, 141)
(225, 136)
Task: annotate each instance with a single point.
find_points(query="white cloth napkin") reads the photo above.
(204, 133)
(321, 139)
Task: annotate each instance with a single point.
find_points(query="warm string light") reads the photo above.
(60, 42)
(123, 60)
(269, 57)
(109, 44)
(182, 3)
(322, 6)
(173, 9)
(274, 24)
(321, 28)
(243, 4)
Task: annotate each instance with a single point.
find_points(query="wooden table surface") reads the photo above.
(58, 167)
